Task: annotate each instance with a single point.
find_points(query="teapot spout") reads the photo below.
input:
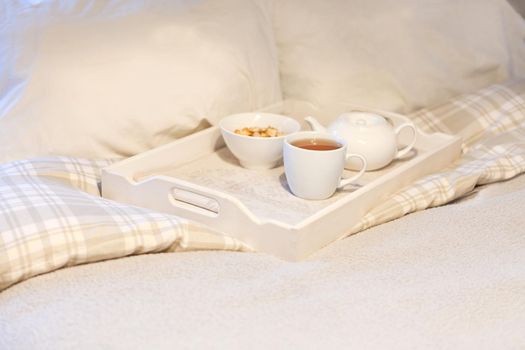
(314, 124)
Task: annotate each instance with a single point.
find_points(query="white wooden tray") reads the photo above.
(198, 178)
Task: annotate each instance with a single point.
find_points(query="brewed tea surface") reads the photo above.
(317, 144)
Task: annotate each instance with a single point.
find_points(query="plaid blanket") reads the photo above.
(52, 215)
(492, 124)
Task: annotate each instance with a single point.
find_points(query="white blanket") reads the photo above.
(448, 277)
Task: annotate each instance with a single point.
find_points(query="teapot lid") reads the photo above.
(363, 119)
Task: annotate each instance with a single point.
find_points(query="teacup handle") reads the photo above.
(402, 152)
(345, 182)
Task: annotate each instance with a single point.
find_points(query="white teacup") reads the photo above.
(314, 173)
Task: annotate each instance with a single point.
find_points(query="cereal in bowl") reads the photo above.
(259, 132)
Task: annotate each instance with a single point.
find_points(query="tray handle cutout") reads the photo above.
(194, 201)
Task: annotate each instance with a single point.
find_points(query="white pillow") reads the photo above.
(395, 55)
(104, 79)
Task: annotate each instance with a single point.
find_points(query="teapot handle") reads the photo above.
(402, 152)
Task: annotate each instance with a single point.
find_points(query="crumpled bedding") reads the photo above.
(53, 215)
(444, 278)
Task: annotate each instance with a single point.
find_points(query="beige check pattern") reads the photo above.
(52, 215)
(492, 124)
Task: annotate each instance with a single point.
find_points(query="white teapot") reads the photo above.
(368, 134)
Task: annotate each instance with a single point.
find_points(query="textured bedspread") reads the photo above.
(447, 277)
(52, 215)
(451, 277)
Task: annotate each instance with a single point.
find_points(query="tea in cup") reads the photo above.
(314, 162)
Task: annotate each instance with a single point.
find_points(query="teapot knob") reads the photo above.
(360, 122)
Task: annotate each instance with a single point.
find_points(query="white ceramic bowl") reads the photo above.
(257, 152)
